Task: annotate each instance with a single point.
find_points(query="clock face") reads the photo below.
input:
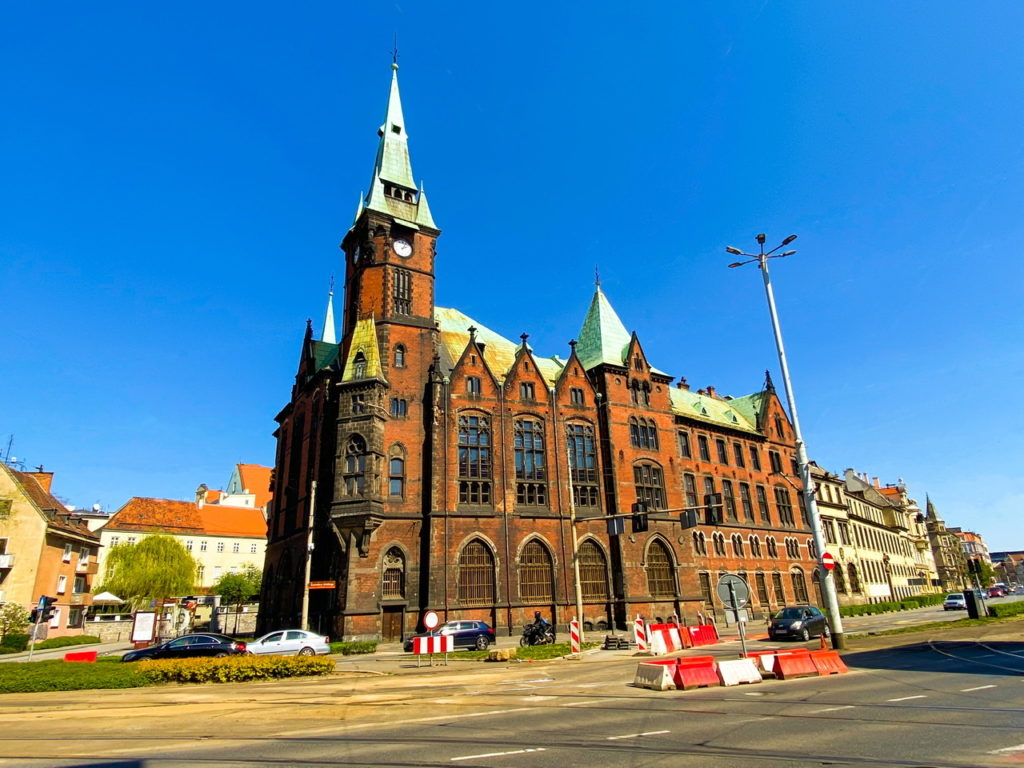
(402, 248)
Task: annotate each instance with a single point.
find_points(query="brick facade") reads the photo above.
(448, 463)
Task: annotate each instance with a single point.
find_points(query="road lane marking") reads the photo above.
(635, 735)
(500, 754)
(1018, 748)
(374, 724)
(832, 709)
(908, 698)
(581, 703)
(979, 688)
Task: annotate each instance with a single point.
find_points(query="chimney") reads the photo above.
(711, 392)
(201, 494)
(45, 479)
(683, 384)
(874, 481)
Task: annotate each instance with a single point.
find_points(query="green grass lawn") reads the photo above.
(29, 677)
(939, 626)
(530, 652)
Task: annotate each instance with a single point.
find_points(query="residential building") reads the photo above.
(44, 550)
(1009, 567)
(946, 549)
(972, 544)
(222, 539)
(441, 463)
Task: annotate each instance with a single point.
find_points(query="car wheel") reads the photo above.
(307, 652)
(805, 634)
(826, 633)
(220, 655)
(482, 643)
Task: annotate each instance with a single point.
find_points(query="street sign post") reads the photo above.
(734, 593)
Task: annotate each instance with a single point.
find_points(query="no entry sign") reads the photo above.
(431, 620)
(828, 562)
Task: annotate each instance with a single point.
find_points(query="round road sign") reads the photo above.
(431, 620)
(732, 591)
(828, 562)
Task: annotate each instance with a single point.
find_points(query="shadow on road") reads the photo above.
(959, 656)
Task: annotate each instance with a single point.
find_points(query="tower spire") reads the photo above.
(328, 334)
(392, 188)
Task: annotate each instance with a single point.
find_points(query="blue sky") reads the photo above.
(177, 180)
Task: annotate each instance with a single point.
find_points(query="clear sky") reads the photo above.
(176, 179)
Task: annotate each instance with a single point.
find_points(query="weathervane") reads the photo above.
(394, 53)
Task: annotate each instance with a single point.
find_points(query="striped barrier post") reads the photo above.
(640, 635)
(433, 644)
(574, 637)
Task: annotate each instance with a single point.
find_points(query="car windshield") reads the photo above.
(790, 613)
(956, 596)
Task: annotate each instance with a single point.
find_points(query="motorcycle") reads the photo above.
(537, 634)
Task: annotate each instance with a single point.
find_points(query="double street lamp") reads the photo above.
(828, 586)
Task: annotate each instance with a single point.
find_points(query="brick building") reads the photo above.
(448, 460)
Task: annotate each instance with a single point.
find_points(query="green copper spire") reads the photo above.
(603, 338)
(392, 189)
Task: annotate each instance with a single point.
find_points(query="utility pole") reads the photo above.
(575, 544)
(304, 622)
(828, 584)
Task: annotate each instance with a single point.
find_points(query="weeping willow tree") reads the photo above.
(156, 568)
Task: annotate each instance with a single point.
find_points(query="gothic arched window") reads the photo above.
(359, 366)
(773, 548)
(582, 464)
(755, 546)
(531, 488)
(393, 574)
(474, 460)
(737, 545)
(799, 585)
(593, 572)
(355, 466)
(660, 579)
(476, 574)
(536, 573)
(396, 476)
(399, 356)
(647, 479)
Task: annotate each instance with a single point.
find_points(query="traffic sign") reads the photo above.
(431, 620)
(733, 591)
(828, 562)
(322, 585)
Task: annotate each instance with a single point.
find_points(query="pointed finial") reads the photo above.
(472, 331)
(394, 54)
(597, 277)
(331, 289)
(573, 343)
(524, 337)
(768, 383)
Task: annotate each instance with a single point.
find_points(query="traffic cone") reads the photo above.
(824, 645)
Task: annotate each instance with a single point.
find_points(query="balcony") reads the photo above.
(88, 568)
(6, 561)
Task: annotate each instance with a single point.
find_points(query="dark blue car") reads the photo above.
(465, 634)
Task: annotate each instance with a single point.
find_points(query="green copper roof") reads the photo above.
(324, 354)
(392, 167)
(749, 406)
(603, 338)
(364, 342)
(711, 409)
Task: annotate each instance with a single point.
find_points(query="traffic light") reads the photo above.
(974, 564)
(615, 526)
(46, 609)
(639, 517)
(33, 617)
(713, 507)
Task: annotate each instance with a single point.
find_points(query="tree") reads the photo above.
(986, 574)
(156, 568)
(13, 619)
(238, 588)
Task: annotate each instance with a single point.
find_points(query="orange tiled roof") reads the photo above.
(185, 517)
(212, 497)
(256, 479)
(58, 516)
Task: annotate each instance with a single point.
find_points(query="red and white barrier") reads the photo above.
(435, 644)
(574, 636)
(665, 638)
(640, 635)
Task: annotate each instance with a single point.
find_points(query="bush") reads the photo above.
(351, 649)
(62, 676)
(61, 642)
(905, 604)
(1006, 609)
(233, 669)
(13, 643)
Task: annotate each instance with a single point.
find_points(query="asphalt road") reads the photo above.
(952, 700)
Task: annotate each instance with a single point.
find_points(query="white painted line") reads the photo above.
(375, 724)
(581, 703)
(979, 688)
(832, 709)
(1018, 748)
(908, 698)
(635, 735)
(499, 754)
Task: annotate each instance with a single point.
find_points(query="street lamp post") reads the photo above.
(828, 585)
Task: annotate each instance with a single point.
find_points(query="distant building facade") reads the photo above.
(222, 539)
(44, 550)
(947, 551)
(972, 544)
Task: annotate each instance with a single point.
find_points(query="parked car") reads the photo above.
(955, 601)
(190, 646)
(465, 634)
(801, 621)
(290, 642)
(996, 592)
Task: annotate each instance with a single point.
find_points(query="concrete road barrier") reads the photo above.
(655, 675)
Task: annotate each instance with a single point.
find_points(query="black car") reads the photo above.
(190, 646)
(802, 621)
(465, 634)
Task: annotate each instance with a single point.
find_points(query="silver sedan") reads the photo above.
(290, 642)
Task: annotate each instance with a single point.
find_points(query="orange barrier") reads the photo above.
(828, 663)
(697, 674)
(792, 665)
(80, 656)
(695, 660)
